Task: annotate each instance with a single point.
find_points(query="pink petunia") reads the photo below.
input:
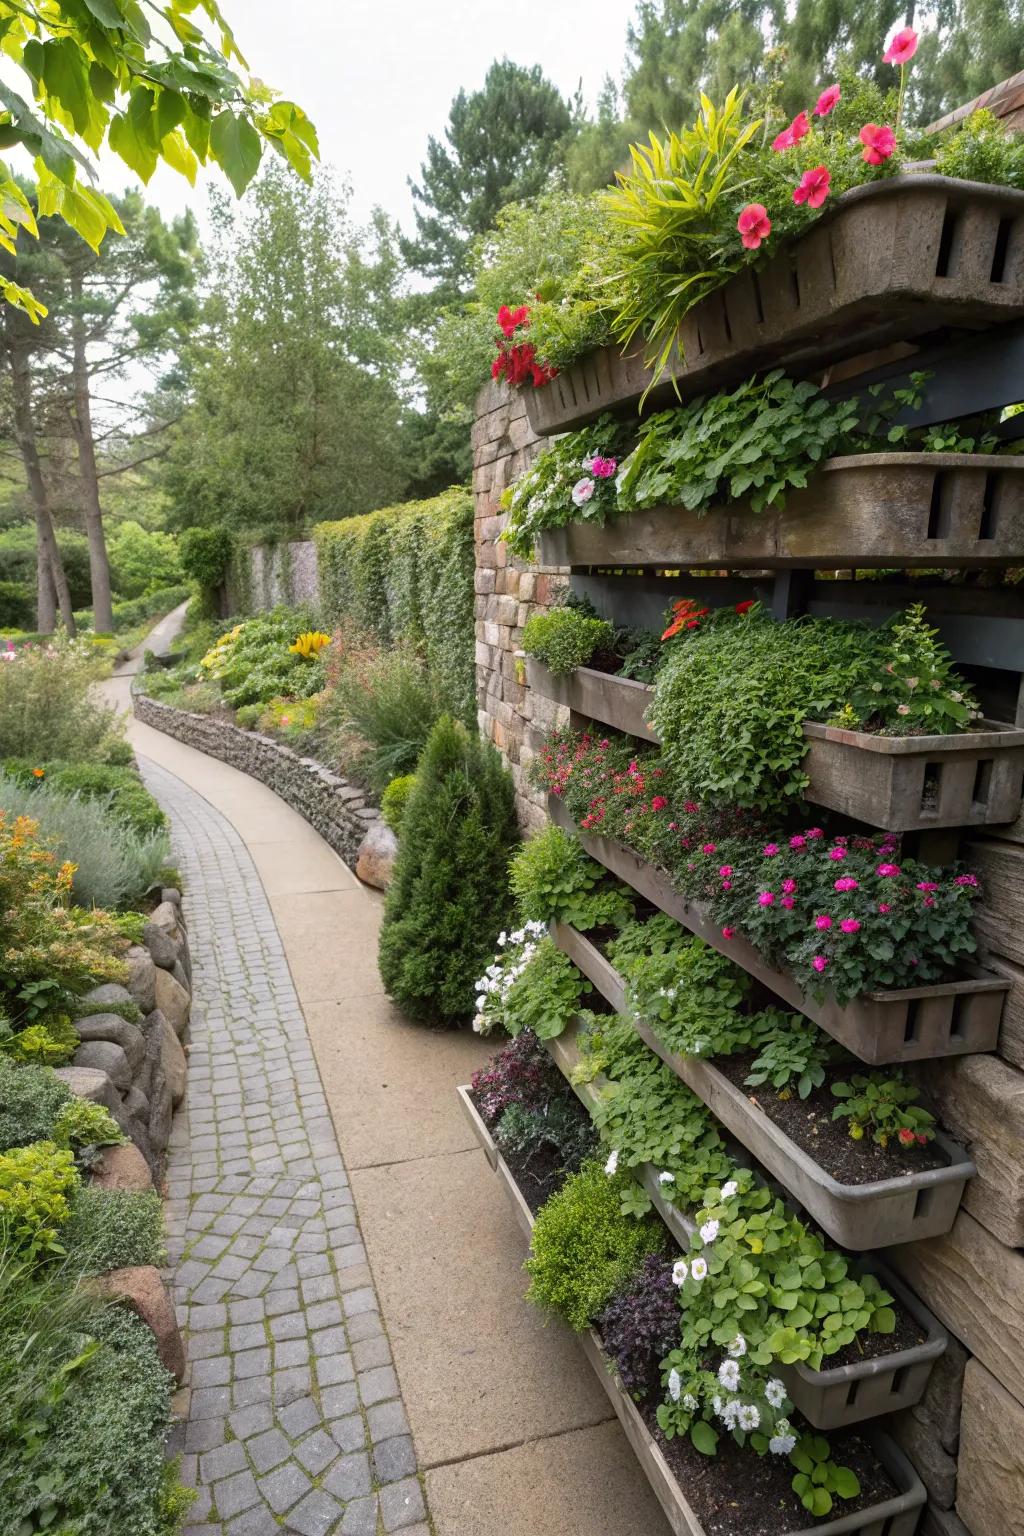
(728, 933)
(726, 885)
(725, 871)
(902, 47)
(827, 100)
(887, 871)
(789, 903)
(798, 841)
(879, 143)
(823, 921)
(837, 853)
(707, 847)
(820, 962)
(814, 187)
(927, 885)
(798, 129)
(754, 225)
(815, 832)
(883, 906)
(850, 925)
(770, 850)
(789, 886)
(766, 899)
(847, 883)
(966, 880)
(603, 468)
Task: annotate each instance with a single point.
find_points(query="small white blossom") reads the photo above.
(738, 1347)
(729, 1375)
(502, 939)
(690, 1403)
(680, 1270)
(709, 1231)
(481, 1002)
(665, 1178)
(729, 1189)
(675, 1384)
(749, 1417)
(479, 1025)
(729, 1415)
(775, 1392)
(582, 491)
(699, 1269)
(612, 1164)
(781, 1445)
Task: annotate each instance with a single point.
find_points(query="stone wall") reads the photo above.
(265, 575)
(508, 591)
(966, 1437)
(339, 811)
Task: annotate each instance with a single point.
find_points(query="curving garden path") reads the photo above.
(347, 1270)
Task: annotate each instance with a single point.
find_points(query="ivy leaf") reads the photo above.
(236, 147)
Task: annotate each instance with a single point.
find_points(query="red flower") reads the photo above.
(754, 225)
(511, 319)
(902, 47)
(658, 803)
(879, 143)
(745, 607)
(827, 100)
(814, 187)
(906, 1137)
(798, 129)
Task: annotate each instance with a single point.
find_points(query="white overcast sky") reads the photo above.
(378, 76)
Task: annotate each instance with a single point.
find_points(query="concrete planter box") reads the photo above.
(865, 509)
(889, 261)
(897, 783)
(860, 1217)
(909, 1024)
(898, 1516)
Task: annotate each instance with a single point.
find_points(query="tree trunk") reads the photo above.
(24, 431)
(99, 564)
(46, 595)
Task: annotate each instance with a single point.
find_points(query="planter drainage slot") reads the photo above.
(956, 1027)
(910, 1023)
(982, 781)
(931, 785)
(998, 272)
(939, 518)
(949, 244)
(987, 526)
(896, 1383)
(756, 288)
(852, 1391)
(923, 1202)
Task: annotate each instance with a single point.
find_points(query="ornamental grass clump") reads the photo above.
(584, 1249)
(450, 889)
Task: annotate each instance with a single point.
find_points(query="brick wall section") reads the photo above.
(339, 811)
(508, 591)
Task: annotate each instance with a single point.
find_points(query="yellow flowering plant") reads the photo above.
(310, 644)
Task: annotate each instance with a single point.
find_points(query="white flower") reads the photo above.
(716, 1403)
(729, 1375)
(709, 1231)
(675, 1384)
(749, 1418)
(502, 939)
(583, 490)
(481, 1003)
(738, 1347)
(587, 463)
(781, 1445)
(775, 1392)
(479, 1025)
(729, 1415)
(612, 1164)
(665, 1178)
(729, 1189)
(699, 1269)
(680, 1270)
(690, 1403)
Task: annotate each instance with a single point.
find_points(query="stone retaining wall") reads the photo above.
(337, 810)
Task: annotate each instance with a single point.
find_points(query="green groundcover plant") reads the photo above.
(530, 985)
(554, 880)
(46, 699)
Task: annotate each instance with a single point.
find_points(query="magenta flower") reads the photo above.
(707, 847)
(754, 225)
(879, 143)
(813, 187)
(820, 962)
(815, 832)
(850, 925)
(902, 47)
(927, 885)
(789, 903)
(770, 850)
(823, 921)
(728, 933)
(883, 906)
(887, 871)
(603, 468)
(798, 841)
(658, 803)
(837, 853)
(966, 880)
(789, 886)
(827, 100)
(766, 899)
(725, 871)
(798, 129)
(847, 883)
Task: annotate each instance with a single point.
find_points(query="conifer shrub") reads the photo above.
(449, 895)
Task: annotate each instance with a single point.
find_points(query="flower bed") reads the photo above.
(909, 1024)
(898, 1514)
(891, 261)
(858, 510)
(898, 783)
(863, 1216)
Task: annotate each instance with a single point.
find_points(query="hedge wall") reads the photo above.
(406, 572)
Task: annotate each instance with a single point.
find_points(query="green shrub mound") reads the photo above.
(47, 705)
(395, 799)
(113, 1229)
(584, 1249)
(565, 639)
(120, 787)
(552, 878)
(31, 1100)
(449, 894)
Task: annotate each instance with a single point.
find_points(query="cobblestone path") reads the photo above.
(295, 1422)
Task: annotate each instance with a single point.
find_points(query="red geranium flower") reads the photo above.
(814, 187)
(754, 225)
(827, 100)
(879, 143)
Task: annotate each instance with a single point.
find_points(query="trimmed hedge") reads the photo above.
(406, 572)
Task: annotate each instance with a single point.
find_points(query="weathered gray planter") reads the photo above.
(891, 260)
(898, 783)
(909, 1024)
(898, 1516)
(862, 510)
(860, 1217)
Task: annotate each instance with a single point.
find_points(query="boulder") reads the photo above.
(918, 1440)
(142, 1289)
(180, 975)
(92, 1084)
(105, 1056)
(136, 1103)
(171, 896)
(990, 1489)
(166, 917)
(375, 861)
(122, 1168)
(110, 1026)
(161, 946)
(173, 1066)
(161, 1112)
(106, 995)
(173, 1001)
(142, 977)
(981, 1100)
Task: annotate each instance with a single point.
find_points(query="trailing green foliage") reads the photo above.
(584, 1249)
(445, 902)
(553, 879)
(118, 787)
(406, 573)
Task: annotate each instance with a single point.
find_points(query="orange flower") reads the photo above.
(39, 773)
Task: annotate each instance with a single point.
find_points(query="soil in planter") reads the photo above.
(809, 1123)
(738, 1493)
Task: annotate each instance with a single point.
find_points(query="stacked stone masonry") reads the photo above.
(966, 1437)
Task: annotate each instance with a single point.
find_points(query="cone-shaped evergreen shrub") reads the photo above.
(449, 896)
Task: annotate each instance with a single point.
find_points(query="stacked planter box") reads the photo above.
(941, 255)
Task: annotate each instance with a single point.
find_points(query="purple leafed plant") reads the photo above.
(521, 1073)
(640, 1326)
